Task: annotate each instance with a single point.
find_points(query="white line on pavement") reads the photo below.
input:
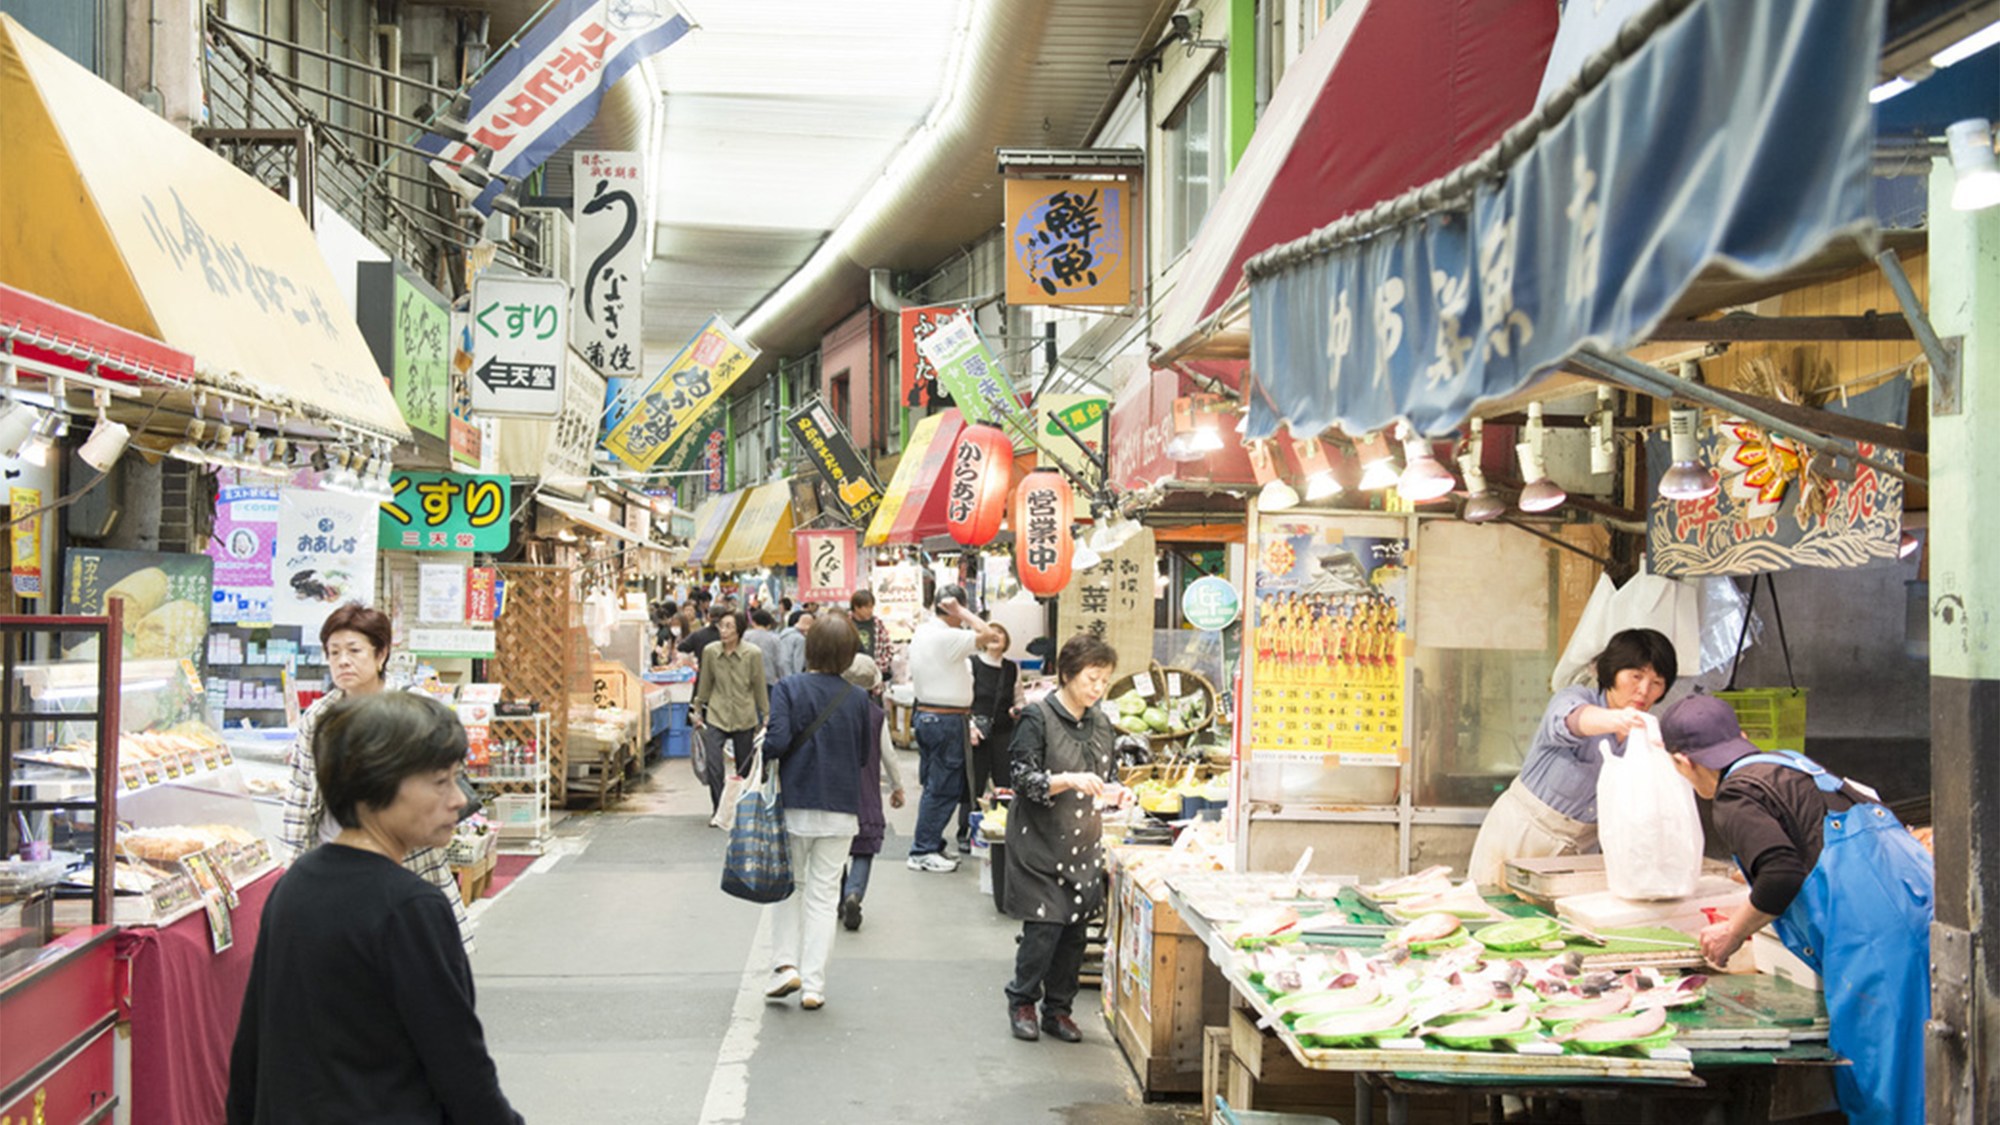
(729, 1087)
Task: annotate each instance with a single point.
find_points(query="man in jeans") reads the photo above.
(941, 674)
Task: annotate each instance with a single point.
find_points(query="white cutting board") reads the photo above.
(1600, 909)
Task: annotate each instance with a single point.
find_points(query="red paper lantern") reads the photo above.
(981, 468)
(1042, 543)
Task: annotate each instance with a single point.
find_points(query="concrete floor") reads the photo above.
(619, 984)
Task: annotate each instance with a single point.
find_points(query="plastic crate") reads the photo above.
(514, 811)
(1771, 718)
(468, 850)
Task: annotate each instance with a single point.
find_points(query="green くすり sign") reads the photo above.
(447, 512)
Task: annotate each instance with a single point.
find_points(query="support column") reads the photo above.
(1962, 1069)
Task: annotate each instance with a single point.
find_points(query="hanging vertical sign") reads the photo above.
(1068, 242)
(520, 345)
(609, 261)
(826, 444)
(899, 600)
(408, 328)
(829, 568)
(919, 378)
(566, 461)
(461, 432)
(243, 545)
(481, 587)
(27, 541)
(969, 371)
(667, 407)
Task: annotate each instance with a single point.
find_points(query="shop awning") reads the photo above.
(1142, 420)
(110, 210)
(46, 333)
(713, 519)
(763, 532)
(911, 507)
(1722, 135)
(578, 513)
(1388, 94)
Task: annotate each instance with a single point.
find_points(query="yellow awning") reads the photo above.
(110, 210)
(763, 532)
(712, 521)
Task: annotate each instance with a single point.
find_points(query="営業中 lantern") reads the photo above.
(1042, 543)
(982, 465)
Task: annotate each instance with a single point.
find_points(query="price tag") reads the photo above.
(1143, 684)
(228, 759)
(154, 771)
(1173, 685)
(210, 758)
(131, 775)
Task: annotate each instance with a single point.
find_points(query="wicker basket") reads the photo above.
(1189, 681)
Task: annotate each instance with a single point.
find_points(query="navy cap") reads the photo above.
(1705, 729)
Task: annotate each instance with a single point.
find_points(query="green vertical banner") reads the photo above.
(970, 372)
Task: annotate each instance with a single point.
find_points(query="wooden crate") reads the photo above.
(1161, 991)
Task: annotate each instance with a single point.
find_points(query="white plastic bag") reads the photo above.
(1593, 631)
(1646, 601)
(1647, 824)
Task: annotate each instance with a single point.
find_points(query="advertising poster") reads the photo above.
(441, 593)
(668, 406)
(899, 599)
(243, 545)
(481, 590)
(969, 371)
(325, 556)
(825, 443)
(1328, 630)
(1069, 242)
(164, 599)
(26, 553)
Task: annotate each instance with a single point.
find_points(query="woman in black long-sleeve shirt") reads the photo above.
(360, 1001)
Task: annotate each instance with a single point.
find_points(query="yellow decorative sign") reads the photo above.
(667, 408)
(27, 553)
(899, 485)
(1069, 242)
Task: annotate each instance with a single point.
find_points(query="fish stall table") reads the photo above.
(1754, 1045)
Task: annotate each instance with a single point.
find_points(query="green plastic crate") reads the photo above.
(1771, 718)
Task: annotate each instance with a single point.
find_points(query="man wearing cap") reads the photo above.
(1848, 888)
(940, 658)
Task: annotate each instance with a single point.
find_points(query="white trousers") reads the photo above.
(802, 925)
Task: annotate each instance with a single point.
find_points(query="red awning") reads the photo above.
(44, 332)
(922, 513)
(1390, 94)
(1143, 419)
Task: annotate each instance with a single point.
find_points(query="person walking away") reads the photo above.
(1551, 807)
(360, 1004)
(996, 700)
(1847, 888)
(731, 701)
(941, 674)
(792, 644)
(874, 824)
(355, 640)
(1064, 763)
(763, 634)
(818, 741)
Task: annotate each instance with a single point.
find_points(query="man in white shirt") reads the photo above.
(940, 656)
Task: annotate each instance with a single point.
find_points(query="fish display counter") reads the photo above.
(1341, 990)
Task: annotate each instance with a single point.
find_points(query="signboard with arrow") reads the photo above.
(520, 341)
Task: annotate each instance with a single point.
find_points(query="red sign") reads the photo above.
(920, 385)
(479, 593)
(1142, 421)
(713, 460)
(829, 567)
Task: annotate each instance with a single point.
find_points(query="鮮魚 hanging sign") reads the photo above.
(968, 371)
(662, 412)
(544, 91)
(1068, 242)
(446, 512)
(520, 346)
(610, 257)
(826, 444)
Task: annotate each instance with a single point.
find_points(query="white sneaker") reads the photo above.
(784, 982)
(932, 862)
(812, 1001)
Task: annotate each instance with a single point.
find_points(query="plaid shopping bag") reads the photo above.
(758, 866)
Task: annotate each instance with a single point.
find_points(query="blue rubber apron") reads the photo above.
(1862, 921)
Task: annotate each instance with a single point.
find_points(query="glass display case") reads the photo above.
(163, 798)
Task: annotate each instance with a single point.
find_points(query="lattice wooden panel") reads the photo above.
(536, 653)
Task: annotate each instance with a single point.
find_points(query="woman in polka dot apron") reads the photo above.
(1064, 764)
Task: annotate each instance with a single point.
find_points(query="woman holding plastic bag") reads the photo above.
(1551, 808)
(1847, 888)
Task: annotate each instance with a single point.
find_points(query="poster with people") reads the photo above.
(1328, 636)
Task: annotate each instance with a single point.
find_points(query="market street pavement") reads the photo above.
(619, 984)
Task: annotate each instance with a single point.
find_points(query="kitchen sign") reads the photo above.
(520, 345)
(447, 512)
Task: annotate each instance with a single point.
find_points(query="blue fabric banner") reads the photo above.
(547, 88)
(1738, 134)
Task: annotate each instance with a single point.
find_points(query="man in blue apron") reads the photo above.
(1848, 888)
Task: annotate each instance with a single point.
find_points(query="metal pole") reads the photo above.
(1652, 380)
(332, 58)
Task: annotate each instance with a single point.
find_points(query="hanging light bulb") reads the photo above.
(1276, 495)
(1481, 506)
(1687, 478)
(16, 424)
(1085, 558)
(41, 439)
(1978, 176)
(1378, 464)
(1908, 545)
(1321, 484)
(1541, 493)
(1180, 447)
(107, 439)
(1423, 479)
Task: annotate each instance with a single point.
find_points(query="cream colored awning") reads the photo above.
(110, 210)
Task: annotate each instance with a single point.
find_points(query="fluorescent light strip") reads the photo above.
(1967, 47)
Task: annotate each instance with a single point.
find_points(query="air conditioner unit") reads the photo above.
(554, 254)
